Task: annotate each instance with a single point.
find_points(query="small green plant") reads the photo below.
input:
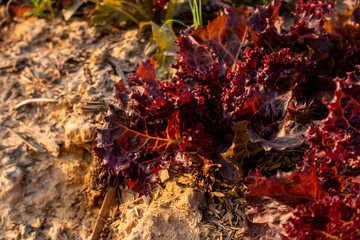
(138, 12)
(42, 8)
(196, 10)
(157, 14)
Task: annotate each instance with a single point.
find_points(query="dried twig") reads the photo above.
(34, 100)
(104, 211)
(92, 106)
(32, 146)
(48, 142)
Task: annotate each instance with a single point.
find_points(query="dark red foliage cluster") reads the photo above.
(142, 133)
(261, 90)
(336, 143)
(244, 84)
(333, 155)
(313, 13)
(333, 217)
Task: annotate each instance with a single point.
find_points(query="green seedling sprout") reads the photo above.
(40, 8)
(196, 10)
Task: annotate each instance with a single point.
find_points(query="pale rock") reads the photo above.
(24, 230)
(11, 235)
(164, 175)
(31, 30)
(55, 232)
(78, 133)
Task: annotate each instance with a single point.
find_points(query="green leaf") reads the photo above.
(163, 69)
(164, 37)
(106, 13)
(167, 49)
(141, 11)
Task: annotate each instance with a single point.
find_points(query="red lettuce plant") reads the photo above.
(153, 124)
(329, 167)
(334, 146)
(280, 95)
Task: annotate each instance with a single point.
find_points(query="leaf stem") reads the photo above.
(147, 136)
(172, 20)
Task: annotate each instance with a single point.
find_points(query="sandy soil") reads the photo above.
(56, 80)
